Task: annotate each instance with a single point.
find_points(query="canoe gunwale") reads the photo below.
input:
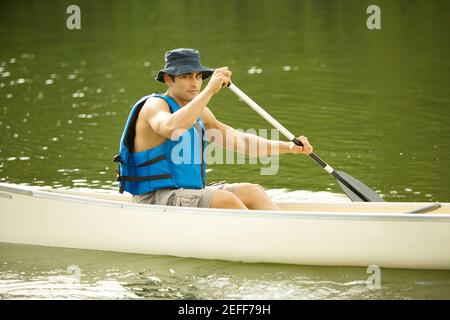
(158, 209)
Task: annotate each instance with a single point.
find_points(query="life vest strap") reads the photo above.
(201, 133)
(146, 163)
(122, 179)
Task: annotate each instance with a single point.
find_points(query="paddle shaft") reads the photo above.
(292, 138)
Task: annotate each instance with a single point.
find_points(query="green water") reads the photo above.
(30, 272)
(374, 103)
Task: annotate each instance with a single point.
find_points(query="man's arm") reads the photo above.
(250, 144)
(171, 125)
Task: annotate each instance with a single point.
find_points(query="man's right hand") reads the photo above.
(220, 78)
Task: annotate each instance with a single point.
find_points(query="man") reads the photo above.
(149, 168)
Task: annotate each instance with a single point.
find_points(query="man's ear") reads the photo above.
(167, 78)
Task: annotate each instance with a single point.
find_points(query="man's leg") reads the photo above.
(226, 200)
(254, 197)
(202, 198)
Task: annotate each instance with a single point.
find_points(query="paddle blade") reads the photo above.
(364, 190)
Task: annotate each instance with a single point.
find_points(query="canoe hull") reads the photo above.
(386, 240)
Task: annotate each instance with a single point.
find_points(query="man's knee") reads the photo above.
(255, 197)
(226, 199)
(249, 188)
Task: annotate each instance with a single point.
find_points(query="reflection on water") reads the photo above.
(373, 103)
(59, 288)
(51, 142)
(29, 272)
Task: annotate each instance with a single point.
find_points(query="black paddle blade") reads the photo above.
(361, 188)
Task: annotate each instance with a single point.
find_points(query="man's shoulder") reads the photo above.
(155, 104)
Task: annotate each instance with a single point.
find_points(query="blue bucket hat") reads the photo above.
(181, 61)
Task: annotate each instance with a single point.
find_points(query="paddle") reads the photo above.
(353, 188)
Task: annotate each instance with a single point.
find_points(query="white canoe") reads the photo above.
(339, 234)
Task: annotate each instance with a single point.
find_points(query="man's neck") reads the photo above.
(180, 103)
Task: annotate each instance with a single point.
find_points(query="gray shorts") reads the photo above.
(198, 198)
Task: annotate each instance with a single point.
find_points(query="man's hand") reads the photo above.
(219, 78)
(306, 149)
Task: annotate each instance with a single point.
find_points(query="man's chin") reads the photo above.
(191, 95)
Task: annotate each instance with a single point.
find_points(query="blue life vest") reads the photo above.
(173, 164)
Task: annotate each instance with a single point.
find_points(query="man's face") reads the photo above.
(186, 86)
